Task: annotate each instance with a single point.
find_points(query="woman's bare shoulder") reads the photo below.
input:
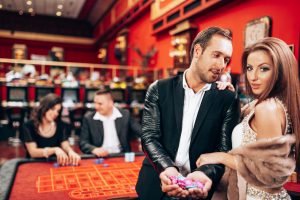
(269, 118)
(269, 107)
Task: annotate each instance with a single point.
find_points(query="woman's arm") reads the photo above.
(217, 158)
(65, 145)
(36, 152)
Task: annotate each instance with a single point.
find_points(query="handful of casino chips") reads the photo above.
(185, 183)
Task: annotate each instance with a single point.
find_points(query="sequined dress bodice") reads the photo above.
(244, 134)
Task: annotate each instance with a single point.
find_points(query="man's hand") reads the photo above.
(100, 152)
(168, 187)
(198, 192)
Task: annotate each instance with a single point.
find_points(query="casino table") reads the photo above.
(42, 179)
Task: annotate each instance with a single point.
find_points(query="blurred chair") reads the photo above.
(75, 115)
(16, 117)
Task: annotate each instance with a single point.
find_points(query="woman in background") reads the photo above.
(45, 134)
(263, 153)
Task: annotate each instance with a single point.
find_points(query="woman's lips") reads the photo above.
(255, 86)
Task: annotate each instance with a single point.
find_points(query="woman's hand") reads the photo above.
(210, 158)
(61, 156)
(74, 158)
(225, 85)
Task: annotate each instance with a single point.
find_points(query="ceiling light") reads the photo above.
(59, 6)
(58, 13)
(30, 10)
(29, 3)
(1, 6)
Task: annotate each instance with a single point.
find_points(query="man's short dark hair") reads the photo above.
(103, 90)
(204, 37)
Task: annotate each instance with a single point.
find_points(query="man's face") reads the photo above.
(212, 61)
(104, 104)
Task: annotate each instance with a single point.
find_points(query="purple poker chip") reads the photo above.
(185, 183)
(101, 160)
(181, 183)
(56, 165)
(199, 184)
(173, 179)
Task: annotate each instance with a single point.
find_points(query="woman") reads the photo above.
(262, 152)
(45, 134)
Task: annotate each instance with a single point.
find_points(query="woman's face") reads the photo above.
(260, 70)
(53, 113)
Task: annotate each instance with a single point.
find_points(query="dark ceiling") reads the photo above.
(76, 17)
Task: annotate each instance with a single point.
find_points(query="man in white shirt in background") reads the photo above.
(108, 129)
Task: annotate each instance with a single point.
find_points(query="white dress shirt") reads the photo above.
(192, 102)
(111, 141)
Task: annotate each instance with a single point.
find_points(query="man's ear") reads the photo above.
(197, 50)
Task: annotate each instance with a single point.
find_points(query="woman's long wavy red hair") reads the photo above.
(285, 82)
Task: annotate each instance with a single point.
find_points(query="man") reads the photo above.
(186, 116)
(108, 129)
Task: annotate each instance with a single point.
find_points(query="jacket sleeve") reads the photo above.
(230, 119)
(151, 133)
(85, 145)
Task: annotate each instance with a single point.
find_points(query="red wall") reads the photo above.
(234, 15)
(285, 22)
(140, 36)
(73, 52)
(111, 57)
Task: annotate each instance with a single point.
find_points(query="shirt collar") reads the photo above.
(206, 87)
(115, 114)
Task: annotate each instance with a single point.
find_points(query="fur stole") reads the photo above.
(266, 163)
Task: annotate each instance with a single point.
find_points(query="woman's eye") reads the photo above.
(249, 68)
(264, 69)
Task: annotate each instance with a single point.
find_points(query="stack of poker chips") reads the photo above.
(129, 157)
(185, 183)
(99, 160)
